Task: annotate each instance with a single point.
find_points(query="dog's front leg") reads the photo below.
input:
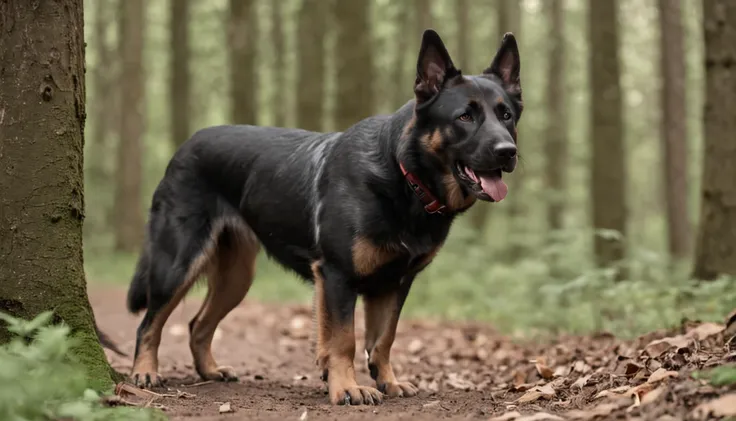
(334, 305)
(381, 319)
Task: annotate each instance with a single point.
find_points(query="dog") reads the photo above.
(356, 213)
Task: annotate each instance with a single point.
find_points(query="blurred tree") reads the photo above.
(556, 137)
(716, 241)
(310, 51)
(402, 91)
(243, 32)
(180, 85)
(42, 113)
(278, 98)
(128, 208)
(103, 79)
(462, 55)
(354, 62)
(674, 127)
(509, 20)
(607, 165)
(423, 10)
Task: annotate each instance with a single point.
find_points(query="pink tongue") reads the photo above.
(494, 187)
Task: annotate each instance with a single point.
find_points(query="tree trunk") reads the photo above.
(423, 15)
(462, 56)
(242, 33)
(354, 62)
(716, 242)
(129, 211)
(42, 117)
(674, 128)
(509, 20)
(556, 139)
(312, 25)
(104, 98)
(402, 91)
(278, 100)
(180, 85)
(608, 168)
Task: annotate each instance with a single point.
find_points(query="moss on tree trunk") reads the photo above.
(42, 117)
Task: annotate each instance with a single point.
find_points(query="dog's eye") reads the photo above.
(466, 117)
(506, 115)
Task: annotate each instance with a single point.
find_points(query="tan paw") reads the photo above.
(223, 373)
(146, 380)
(355, 395)
(398, 389)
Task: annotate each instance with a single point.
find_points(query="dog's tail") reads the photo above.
(108, 343)
(138, 289)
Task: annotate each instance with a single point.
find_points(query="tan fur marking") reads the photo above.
(381, 320)
(146, 362)
(455, 199)
(367, 256)
(499, 100)
(409, 127)
(230, 278)
(336, 352)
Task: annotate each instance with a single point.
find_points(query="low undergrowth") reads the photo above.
(40, 379)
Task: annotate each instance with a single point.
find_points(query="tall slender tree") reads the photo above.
(310, 52)
(242, 32)
(180, 80)
(102, 88)
(354, 62)
(674, 127)
(279, 70)
(556, 138)
(400, 78)
(716, 241)
(607, 166)
(42, 115)
(128, 207)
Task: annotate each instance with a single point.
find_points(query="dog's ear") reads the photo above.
(434, 67)
(506, 64)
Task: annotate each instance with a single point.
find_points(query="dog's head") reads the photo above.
(468, 123)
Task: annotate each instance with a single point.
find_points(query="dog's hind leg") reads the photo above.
(381, 319)
(229, 279)
(170, 281)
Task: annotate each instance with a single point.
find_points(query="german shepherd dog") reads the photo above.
(356, 213)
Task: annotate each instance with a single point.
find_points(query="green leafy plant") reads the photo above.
(719, 376)
(40, 379)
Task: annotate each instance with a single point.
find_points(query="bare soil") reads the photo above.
(464, 370)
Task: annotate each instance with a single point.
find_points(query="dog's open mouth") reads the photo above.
(488, 185)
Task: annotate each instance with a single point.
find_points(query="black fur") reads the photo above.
(308, 196)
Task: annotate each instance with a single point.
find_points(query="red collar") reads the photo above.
(431, 204)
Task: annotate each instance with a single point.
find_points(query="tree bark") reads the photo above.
(242, 33)
(279, 71)
(608, 169)
(129, 211)
(716, 242)
(42, 114)
(674, 128)
(312, 26)
(556, 139)
(180, 80)
(462, 57)
(354, 62)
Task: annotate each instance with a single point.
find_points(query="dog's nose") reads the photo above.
(505, 151)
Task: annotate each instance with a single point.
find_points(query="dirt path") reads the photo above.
(464, 371)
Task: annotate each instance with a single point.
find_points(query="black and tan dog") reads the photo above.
(360, 212)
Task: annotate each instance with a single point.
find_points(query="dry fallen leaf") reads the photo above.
(661, 374)
(581, 367)
(431, 404)
(705, 331)
(540, 416)
(653, 396)
(617, 392)
(660, 346)
(540, 392)
(600, 411)
(509, 416)
(581, 382)
(226, 408)
(415, 346)
(303, 417)
(725, 406)
(544, 371)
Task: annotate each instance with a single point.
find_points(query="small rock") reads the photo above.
(226, 408)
